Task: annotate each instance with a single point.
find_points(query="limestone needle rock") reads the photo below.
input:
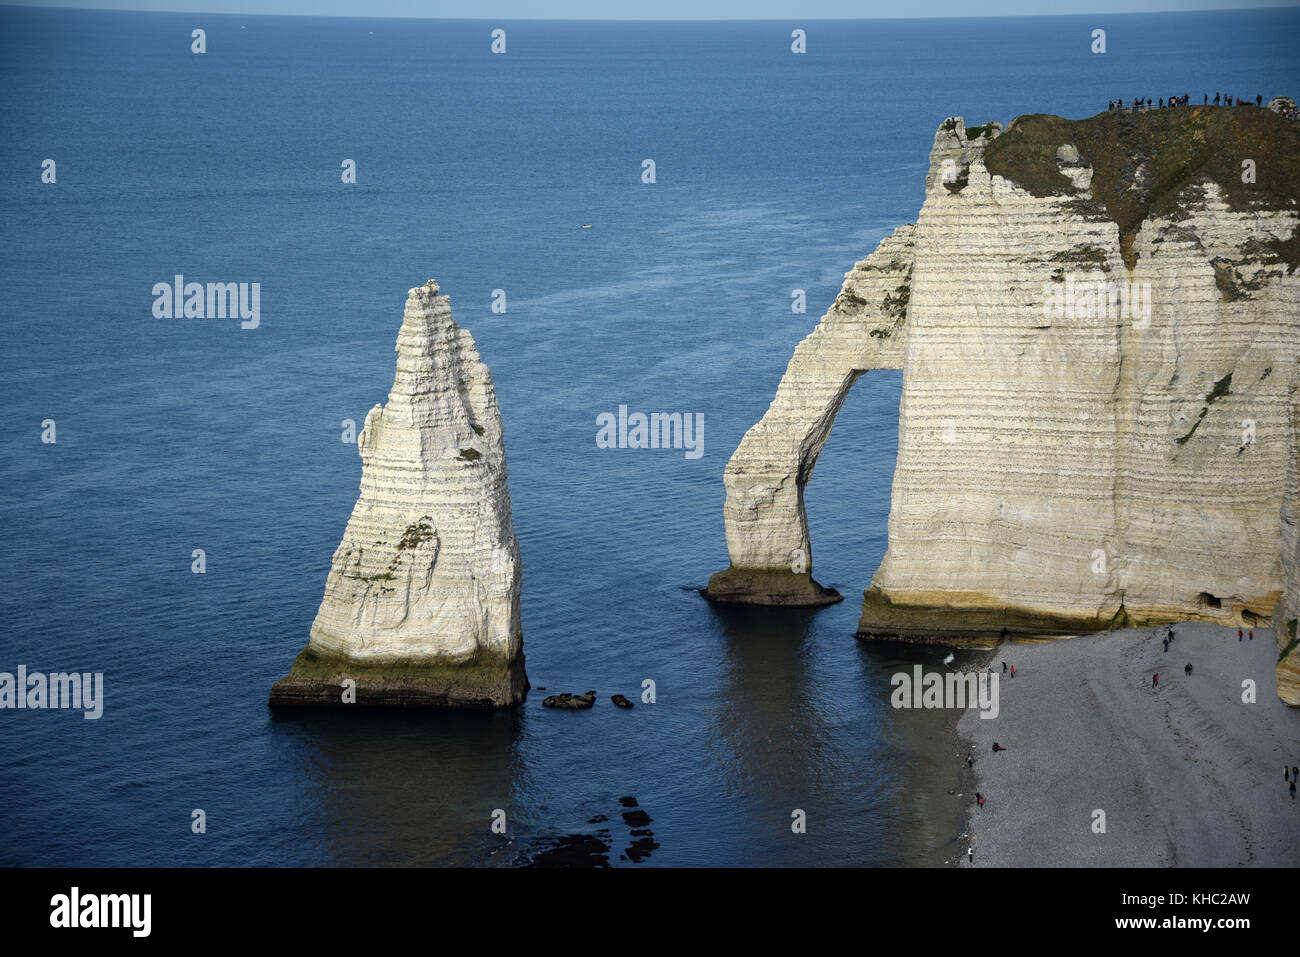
(421, 606)
(1098, 324)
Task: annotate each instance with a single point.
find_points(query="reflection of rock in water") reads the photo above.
(400, 788)
(592, 850)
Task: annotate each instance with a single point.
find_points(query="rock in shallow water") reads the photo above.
(571, 702)
(421, 606)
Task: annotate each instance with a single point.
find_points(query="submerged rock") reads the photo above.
(421, 607)
(620, 701)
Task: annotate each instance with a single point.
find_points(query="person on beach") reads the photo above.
(1295, 772)
(979, 799)
(998, 747)
(1013, 671)
(1292, 790)
(1239, 634)
(1250, 635)
(970, 762)
(1171, 634)
(970, 853)
(1188, 669)
(1155, 679)
(1004, 667)
(1166, 644)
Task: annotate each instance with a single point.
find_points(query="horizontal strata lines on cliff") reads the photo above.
(1040, 486)
(421, 607)
(767, 529)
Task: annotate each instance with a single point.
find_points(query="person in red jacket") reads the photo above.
(1155, 679)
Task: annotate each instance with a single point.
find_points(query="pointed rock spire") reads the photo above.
(421, 606)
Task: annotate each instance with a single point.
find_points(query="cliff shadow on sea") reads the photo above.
(803, 721)
(401, 788)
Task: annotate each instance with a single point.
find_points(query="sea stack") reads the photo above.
(421, 607)
(1098, 324)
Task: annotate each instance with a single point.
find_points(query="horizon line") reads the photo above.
(682, 19)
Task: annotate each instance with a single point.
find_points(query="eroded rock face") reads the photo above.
(1097, 356)
(1286, 615)
(421, 606)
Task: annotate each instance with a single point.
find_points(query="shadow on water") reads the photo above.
(804, 721)
(773, 740)
(401, 787)
(932, 793)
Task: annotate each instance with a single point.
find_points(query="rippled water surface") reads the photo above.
(774, 172)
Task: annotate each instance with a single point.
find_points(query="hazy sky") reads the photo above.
(667, 9)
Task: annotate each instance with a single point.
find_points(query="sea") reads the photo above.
(771, 740)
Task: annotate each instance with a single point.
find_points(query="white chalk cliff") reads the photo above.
(1286, 616)
(421, 606)
(1064, 465)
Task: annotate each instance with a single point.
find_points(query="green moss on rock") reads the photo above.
(484, 681)
(1141, 162)
(768, 586)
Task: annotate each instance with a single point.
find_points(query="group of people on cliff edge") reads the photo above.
(1141, 103)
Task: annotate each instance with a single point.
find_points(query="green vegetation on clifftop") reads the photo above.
(1142, 162)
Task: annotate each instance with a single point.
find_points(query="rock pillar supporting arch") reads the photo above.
(767, 527)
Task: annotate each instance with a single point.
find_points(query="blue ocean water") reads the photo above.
(774, 172)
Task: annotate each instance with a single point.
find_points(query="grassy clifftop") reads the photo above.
(1141, 162)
